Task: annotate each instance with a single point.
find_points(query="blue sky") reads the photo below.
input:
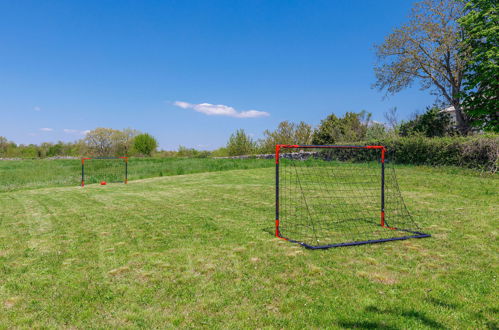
(70, 66)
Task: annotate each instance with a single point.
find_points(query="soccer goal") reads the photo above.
(330, 196)
(104, 170)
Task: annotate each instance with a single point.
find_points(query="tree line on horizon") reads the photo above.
(351, 128)
(100, 142)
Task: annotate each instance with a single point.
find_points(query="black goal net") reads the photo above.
(329, 196)
(104, 170)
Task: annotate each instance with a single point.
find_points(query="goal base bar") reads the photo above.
(323, 247)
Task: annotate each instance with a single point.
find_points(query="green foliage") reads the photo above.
(4, 145)
(240, 144)
(376, 131)
(191, 153)
(220, 152)
(481, 78)
(105, 142)
(351, 127)
(286, 133)
(145, 144)
(433, 123)
(478, 152)
(98, 142)
(9, 149)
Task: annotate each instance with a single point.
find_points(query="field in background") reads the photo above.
(26, 174)
(193, 251)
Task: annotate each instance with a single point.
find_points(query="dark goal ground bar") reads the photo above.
(322, 247)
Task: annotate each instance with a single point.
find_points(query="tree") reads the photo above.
(426, 49)
(432, 123)
(286, 133)
(240, 144)
(110, 142)
(191, 152)
(376, 131)
(123, 141)
(392, 118)
(350, 128)
(145, 144)
(100, 141)
(481, 86)
(303, 133)
(4, 145)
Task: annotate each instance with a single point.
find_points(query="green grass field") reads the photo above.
(193, 251)
(37, 173)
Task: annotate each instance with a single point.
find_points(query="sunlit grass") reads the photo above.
(193, 251)
(27, 174)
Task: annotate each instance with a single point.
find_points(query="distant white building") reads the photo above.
(452, 112)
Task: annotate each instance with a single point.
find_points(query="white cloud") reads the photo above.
(220, 110)
(37, 108)
(75, 131)
(46, 129)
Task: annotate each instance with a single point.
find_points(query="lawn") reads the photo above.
(38, 173)
(193, 251)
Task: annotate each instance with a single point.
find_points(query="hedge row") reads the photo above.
(479, 152)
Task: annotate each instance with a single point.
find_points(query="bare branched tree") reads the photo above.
(427, 50)
(391, 118)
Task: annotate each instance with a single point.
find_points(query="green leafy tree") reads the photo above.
(286, 133)
(349, 128)
(191, 152)
(428, 50)
(240, 144)
(481, 86)
(433, 123)
(4, 145)
(303, 133)
(376, 131)
(145, 144)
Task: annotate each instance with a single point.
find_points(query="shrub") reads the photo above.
(479, 152)
(145, 144)
(432, 123)
(191, 153)
(240, 144)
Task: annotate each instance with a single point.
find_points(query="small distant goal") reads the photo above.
(104, 170)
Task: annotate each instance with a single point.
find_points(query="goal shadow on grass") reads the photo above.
(408, 314)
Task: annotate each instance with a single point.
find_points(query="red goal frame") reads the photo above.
(83, 159)
(382, 222)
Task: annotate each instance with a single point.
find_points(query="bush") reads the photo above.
(432, 123)
(145, 144)
(240, 144)
(478, 152)
(191, 153)
(351, 127)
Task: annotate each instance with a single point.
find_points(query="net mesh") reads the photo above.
(110, 170)
(333, 196)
